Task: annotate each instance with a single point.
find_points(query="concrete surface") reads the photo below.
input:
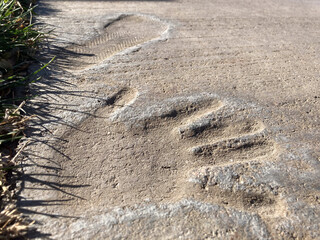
(177, 119)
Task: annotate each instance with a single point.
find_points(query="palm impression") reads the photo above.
(178, 148)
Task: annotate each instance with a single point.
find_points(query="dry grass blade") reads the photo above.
(12, 224)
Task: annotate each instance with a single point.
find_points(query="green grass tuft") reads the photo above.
(18, 44)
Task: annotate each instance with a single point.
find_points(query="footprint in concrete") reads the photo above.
(181, 148)
(121, 33)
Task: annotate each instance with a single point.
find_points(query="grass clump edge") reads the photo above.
(19, 41)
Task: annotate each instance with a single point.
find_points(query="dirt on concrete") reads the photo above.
(177, 119)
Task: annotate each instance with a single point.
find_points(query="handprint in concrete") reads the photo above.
(187, 147)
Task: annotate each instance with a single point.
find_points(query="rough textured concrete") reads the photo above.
(177, 119)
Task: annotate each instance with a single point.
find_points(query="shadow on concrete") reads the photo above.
(45, 169)
(43, 179)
